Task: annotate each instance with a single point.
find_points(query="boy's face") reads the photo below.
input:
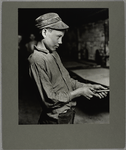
(52, 39)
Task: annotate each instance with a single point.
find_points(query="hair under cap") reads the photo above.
(50, 20)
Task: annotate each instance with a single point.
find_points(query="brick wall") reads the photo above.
(91, 37)
(82, 42)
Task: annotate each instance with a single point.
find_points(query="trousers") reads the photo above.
(63, 118)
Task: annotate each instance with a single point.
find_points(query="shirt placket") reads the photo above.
(58, 64)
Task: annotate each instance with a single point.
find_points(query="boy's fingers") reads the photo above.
(102, 87)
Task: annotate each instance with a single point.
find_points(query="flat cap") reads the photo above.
(50, 20)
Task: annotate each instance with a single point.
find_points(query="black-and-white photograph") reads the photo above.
(63, 66)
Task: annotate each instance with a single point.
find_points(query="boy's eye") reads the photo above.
(58, 37)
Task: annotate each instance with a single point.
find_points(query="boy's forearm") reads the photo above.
(76, 93)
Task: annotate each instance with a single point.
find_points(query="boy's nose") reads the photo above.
(60, 41)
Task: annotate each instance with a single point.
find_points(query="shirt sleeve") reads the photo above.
(75, 84)
(49, 97)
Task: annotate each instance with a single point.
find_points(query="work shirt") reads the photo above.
(53, 81)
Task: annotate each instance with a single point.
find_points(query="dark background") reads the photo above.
(74, 17)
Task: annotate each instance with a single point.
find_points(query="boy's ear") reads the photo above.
(44, 32)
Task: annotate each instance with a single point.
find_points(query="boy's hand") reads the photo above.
(99, 91)
(87, 92)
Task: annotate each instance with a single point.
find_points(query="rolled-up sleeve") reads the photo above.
(76, 84)
(50, 97)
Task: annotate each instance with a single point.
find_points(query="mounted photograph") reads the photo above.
(63, 75)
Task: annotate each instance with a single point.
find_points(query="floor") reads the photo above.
(94, 111)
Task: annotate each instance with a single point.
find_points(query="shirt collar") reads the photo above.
(39, 47)
(42, 50)
(54, 53)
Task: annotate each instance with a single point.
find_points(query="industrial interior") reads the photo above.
(85, 53)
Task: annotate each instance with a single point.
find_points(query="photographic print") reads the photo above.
(84, 52)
